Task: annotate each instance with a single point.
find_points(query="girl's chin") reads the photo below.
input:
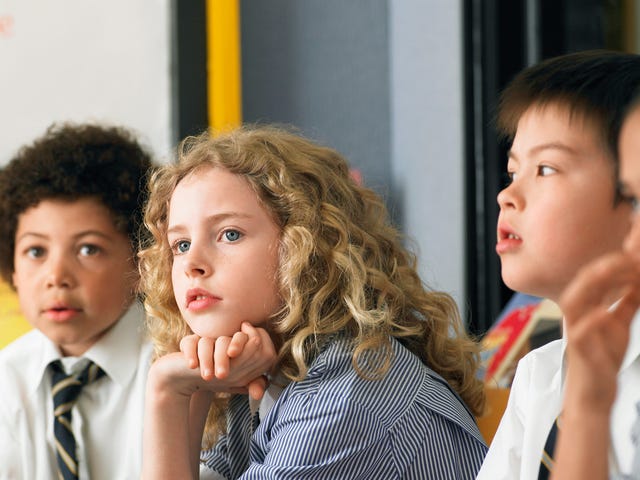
(203, 331)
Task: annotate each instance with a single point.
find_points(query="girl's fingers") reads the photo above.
(205, 356)
(267, 348)
(249, 329)
(257, 387)
(221, 358)
(189, 348)
(237, 344)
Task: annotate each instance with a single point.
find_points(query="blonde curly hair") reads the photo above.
(343, 268)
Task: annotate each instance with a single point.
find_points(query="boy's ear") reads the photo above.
(13, 281)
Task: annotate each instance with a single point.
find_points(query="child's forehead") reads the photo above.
(561, 121)
(76, 209)
(573, 115)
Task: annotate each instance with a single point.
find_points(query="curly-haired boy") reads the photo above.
(70, 212)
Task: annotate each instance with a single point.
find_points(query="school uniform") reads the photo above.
(634, 473)
(536, 401)
(335, 424)
(106, 420)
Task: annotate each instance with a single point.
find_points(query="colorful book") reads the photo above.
(510, 339)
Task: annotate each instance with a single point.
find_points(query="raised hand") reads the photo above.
(599, 306)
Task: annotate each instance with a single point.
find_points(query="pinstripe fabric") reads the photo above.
(230, 456)
(65, 390)
(334, 424)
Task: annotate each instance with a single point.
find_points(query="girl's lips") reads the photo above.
(201, 302)
(61, 314)
(199, 299)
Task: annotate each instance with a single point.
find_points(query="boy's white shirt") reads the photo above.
(110, 412)
(536, 400)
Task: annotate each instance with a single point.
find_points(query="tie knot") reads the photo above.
(66, 388)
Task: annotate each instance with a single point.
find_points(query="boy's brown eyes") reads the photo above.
(630, 199)
(544, 170)
(35, 252)
(89, 249)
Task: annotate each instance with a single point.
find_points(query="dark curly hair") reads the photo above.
(71, 162)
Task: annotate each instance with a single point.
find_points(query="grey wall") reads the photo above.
(427, 137)
(381, 81)
(323, 66)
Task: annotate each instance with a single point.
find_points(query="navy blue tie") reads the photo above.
(65, 390)
(546, 462)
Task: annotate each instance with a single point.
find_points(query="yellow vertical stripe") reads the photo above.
(223, 64)
(12, 323)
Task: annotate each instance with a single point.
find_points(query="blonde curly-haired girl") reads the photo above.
(263, 242)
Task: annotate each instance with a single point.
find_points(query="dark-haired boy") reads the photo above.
(560, 211)
(70, 212)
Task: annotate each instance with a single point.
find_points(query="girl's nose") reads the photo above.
(196, 264)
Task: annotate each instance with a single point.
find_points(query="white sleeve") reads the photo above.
(10, 458)
(209, 474)
(504, 459)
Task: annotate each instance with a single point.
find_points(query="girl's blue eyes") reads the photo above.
(232, 235)
(183, 246)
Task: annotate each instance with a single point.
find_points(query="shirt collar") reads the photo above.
(116, 352)
(47, 352)
(633, 349)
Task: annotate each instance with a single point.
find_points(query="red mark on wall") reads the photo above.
(6, 26)
(356, 175)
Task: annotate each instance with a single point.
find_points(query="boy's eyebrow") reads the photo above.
(547, 146)
(76, 236)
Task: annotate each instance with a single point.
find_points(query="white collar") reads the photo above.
(116, 352)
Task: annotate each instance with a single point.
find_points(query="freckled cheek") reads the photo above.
(177, 287)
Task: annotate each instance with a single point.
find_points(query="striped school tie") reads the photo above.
(546, 462)
(65, 390)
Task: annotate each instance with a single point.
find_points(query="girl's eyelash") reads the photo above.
(238, 234)
(175, 246)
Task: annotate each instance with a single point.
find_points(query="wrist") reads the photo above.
(163, 387)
